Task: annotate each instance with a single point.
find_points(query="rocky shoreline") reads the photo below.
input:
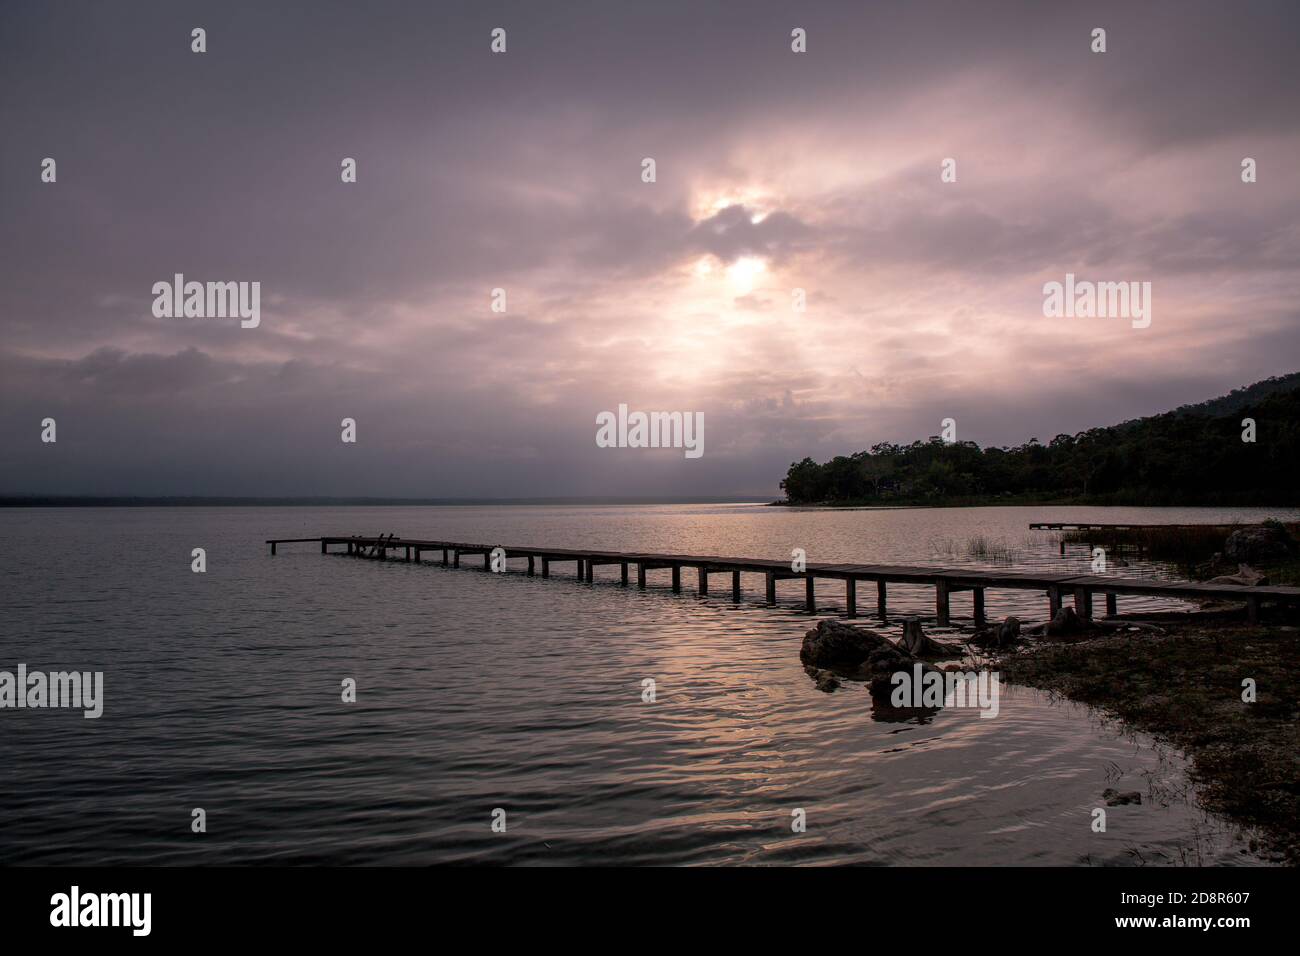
(1218, 689)
(1206, 683)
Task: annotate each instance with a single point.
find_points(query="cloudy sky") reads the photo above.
(522, 171)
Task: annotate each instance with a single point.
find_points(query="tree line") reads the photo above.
(1189, 456)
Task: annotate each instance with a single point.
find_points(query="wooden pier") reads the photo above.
(945, 581)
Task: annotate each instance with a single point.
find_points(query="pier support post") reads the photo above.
(455, 559)
(546, 567)
(408, 554)
(349, 547)
(735, 586)
(1062, 547)
(1112, 604)
(810, 594)
(979, 606)
(941, 602)
(677, 579)
(323, 548)
(530, 565)
(1053, 601)
(590, 570)
(1252, 610)
(640, 575)
(487, 561)
(622, 574)
(444, 557)
(580, 569)
(882, 608)
(1083, 603)
(417, 555)
(704, 582)
(851, 598)
(770, 595)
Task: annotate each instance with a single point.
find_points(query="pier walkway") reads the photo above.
(945, 581)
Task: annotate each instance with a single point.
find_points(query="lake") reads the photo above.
(481, 692)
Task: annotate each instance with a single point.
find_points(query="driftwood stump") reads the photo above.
(917, 644)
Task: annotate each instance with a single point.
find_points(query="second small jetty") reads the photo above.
(945, 581)
(1092, 526)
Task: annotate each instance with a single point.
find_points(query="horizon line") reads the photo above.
(109, 501)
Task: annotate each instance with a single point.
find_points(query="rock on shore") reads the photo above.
(1066, 626)
(834, 650)
(999, 636)
(1114, 798)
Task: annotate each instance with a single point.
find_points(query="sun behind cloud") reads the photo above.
(744, 273)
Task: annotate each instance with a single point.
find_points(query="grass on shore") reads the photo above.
(1185, 687)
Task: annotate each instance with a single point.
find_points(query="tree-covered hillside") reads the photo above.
(1194, 455)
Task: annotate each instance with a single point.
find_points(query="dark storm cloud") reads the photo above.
(732, 232)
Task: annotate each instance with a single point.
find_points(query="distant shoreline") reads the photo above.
(971, 502)
(1020, 502)
(197, 501)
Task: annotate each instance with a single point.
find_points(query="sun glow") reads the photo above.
(744, 272)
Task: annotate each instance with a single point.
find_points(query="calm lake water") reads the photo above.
(480, 691)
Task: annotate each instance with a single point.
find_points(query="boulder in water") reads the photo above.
(1115, 798)
(826, 681)
(834, 650)
(832, 644)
